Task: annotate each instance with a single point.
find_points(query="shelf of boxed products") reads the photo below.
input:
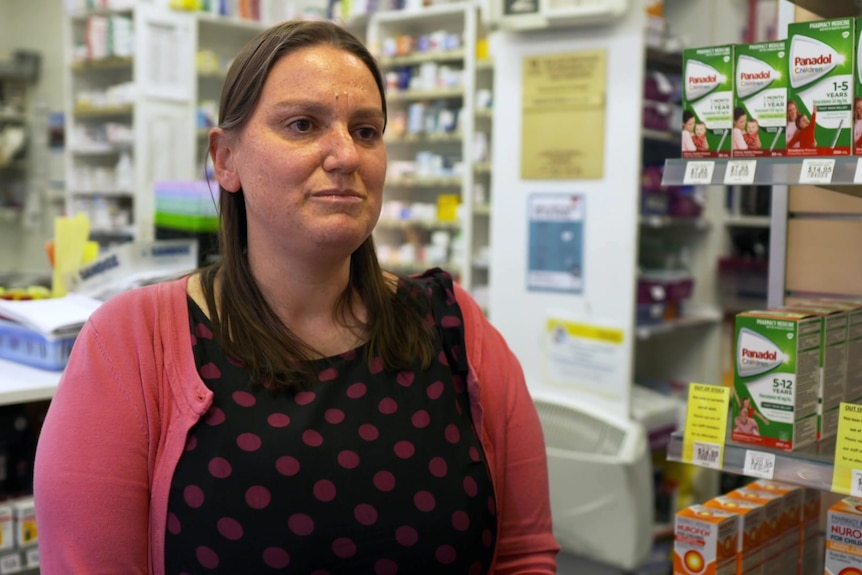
(829, 8)
(21, 383)
(808, 467)
(423, 57)
(424, 138)
(841, 174)
(692, 318)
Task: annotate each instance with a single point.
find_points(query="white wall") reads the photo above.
(34, 25)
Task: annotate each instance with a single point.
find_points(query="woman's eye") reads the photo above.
(301, 126)
(367, 133)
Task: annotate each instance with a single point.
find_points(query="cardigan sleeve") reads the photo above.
(91, 483)
(525, 540)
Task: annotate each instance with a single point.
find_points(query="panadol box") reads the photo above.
(821, 82)
(760, 100)
(707, 100)
(857, 100)
(776, 379)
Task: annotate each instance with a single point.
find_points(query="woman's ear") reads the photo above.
(222, 153)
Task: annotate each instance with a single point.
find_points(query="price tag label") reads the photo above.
(740, 172)
(705, 425)
(698, 173)
(847, 469)
(817, 171)
(759, 464)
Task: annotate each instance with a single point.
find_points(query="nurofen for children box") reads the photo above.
(773, 507)
(832, 365)
(760, 100)
(751, 517)
(707, 102)
(812, 549)
(705, 542)
(844, 537)
(820, 92)
(776, 379)
(792, 497)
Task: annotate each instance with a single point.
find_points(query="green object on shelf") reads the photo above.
(187, 222)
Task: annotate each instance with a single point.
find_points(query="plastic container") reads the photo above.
(22, 345)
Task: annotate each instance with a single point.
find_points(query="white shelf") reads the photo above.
(422, 57)
(438, 94)
(426, 138)
(660, 222)
(229, 22)
(440, 182)
(660, 136)
(748, 221)
(103, 111)
(418, 224)
(808, 467)
(772, 171)
(103, 64)
(8, 117)
(485, 113)
(112, 193)
(20, 383)
(691, 320)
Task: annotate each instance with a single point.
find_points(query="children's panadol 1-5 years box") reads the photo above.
(760, 100)
(821, 82)
(707, 100)
(776, 380)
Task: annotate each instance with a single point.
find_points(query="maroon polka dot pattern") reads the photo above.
(368, 471)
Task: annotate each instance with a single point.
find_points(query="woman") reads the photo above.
(740, 118)
(792, 115)
(688, 131)
(293, 408)
(857, 123)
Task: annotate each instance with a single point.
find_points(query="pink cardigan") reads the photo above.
(118, 423)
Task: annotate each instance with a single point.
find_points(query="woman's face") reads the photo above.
(688, 125)
(857, 106)
(792, 112)
(740, 122)
(310, 159)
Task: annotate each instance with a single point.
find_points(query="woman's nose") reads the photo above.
(340, 150)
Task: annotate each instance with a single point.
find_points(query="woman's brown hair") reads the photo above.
(396, 328)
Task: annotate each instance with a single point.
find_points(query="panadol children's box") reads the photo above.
(760, 100)
(707, 100)
(776, 380)
(821, 82)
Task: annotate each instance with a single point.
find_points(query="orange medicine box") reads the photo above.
(749, 560)
(705, 542)
(773, 506)
(791, 518)
(844, 537)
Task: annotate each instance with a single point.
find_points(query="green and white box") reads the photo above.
(857, 95)
(832, 386)
(776, 379)
(821, 82)
(707, 102)
(760, 100)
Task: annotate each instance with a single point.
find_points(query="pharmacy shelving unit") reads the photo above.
(431, 154)
(141, 101)
(816, 215)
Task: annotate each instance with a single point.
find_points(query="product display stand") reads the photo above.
(816, 218)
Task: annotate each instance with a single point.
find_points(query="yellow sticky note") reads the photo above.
(70, 240)
(706, 425)
(847, 470)
(447, 207)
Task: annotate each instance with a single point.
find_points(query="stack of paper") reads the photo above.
(51, 316)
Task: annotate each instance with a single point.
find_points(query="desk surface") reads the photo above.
(20, 383)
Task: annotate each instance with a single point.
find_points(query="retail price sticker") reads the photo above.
(817, 171)
(706, 425)
(759, 464)
(698, 173)
(847, 469)
(740, 172)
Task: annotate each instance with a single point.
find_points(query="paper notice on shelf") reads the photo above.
(706, 425)
(585, 356)
(847, 469)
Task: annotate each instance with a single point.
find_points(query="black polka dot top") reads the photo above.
(369, 471)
